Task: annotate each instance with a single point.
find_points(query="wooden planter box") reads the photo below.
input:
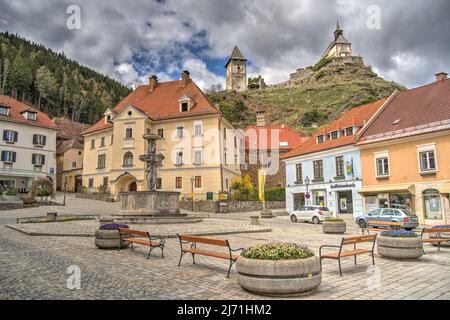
(334, 227)
(399, 248)
(279, 278)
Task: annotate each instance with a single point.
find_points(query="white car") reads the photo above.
(314, 214)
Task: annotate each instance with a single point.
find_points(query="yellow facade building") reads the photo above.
(200, 148)
(404, 153)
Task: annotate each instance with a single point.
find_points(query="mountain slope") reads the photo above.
(55, 84)
(319, 95)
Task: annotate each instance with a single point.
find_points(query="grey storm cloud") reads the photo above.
(278, 37)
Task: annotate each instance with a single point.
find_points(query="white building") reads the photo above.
(27, 145)
(326, 169)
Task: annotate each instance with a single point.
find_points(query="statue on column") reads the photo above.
(152, 160)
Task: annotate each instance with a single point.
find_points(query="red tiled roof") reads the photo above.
(64, 146)
(16, 108)
(260, 138)
(410, 110)
(69, 128)
(353, 117)
(162, 102)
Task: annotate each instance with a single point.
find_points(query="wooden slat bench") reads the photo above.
(438, 232)
(193, 250)
(387, 224)
(142, 238)
(342, 253)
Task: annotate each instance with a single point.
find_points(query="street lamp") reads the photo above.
(66, 175)
(192, 193)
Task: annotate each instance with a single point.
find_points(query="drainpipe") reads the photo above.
(221, 154)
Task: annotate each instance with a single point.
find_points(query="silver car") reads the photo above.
(408, 218)
(314, 214)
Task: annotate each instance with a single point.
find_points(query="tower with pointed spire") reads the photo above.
(236, 71)
(340, 47)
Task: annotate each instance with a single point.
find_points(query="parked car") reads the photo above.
(408, 218)
(314, 214)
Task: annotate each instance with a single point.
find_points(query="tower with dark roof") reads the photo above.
(236, 71)
(340, 47)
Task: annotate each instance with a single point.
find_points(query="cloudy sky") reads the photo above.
(406, 41)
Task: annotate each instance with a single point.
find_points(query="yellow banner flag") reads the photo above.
(261, 184)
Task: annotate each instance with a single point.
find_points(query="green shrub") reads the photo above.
(275, 194)
(10, 192)
(334, 220)
(277, 251)
(43, 192)
(311, 117)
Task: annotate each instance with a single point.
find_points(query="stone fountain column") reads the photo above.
(151, 202)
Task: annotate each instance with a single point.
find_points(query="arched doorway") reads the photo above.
(133, 187)
(126, 183)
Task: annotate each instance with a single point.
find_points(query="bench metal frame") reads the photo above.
(439, 238)
(161, 240)
(341, 247)
(194, 246)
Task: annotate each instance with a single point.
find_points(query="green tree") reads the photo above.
(46, 84)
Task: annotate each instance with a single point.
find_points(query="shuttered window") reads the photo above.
(10, 136)
(38, 159)
(8, 156)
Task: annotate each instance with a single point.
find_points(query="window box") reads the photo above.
(298, 183)
(318, 180)
(339, 178)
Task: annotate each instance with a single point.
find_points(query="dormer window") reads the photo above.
(334, 135)
(186, 103)
(349, 131)
(108, 116)
(320, 139)
(29, 115)
(4, 111)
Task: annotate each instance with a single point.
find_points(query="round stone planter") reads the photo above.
(279, 278)
(109, 239)
(334, 227)
(399, 248)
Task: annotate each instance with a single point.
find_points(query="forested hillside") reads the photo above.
(52, 82)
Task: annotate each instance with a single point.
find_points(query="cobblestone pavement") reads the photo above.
(36, 267)
(88, 228)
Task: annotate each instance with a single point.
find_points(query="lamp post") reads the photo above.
(307, 182)
(66, 175)
(192, 193)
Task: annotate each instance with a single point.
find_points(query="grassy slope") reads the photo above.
(321, 103)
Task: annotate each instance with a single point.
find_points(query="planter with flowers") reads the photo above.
(441, 235)
(399, 244)
(281, 269)
(108, 237)
(334, 226)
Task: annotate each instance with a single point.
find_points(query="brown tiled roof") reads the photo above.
(353, 117)
(261, 139)
(16, 108)
(162, 103)
(69, 128)
(411, 111)
(64, 146)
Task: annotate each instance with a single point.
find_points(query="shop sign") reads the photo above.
(340, 186)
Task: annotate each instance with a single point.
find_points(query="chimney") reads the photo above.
(441, 77)
(185, 78)
(152, 82)
(260, 119)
